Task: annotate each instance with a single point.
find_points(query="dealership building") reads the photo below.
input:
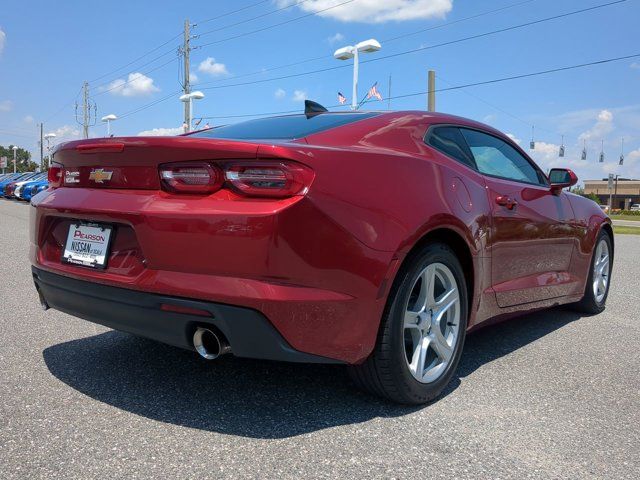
(625, 191)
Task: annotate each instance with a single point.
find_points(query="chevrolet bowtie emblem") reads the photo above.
(98, 175)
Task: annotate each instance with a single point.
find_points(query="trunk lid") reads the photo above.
(132, 162)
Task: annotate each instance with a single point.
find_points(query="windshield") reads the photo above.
(287, 127)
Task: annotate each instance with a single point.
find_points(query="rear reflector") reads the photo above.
(167, 307)
(276, 179)
(199, 178)
(54, 175)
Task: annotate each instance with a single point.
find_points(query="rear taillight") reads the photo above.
(199, 178)
(276, 179)
(268, 178)
(54, 175)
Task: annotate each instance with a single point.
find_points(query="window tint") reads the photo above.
(450, 141)
(285, 128)
(496, 157)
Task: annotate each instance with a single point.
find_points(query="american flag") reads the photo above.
(373, 92)
(342, 99)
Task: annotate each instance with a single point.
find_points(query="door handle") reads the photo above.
(506, 201)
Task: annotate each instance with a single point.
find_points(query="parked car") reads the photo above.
(37, 187)
(21, 186)
(635, 207)
(8, 179)
(10, 187)
(375, 240)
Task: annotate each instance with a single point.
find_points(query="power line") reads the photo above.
(524, 75)
(178, 35)
(458, 87)
(460, 20)
(66, 105)
(151, 104)
(401, 53)
(135, 78)
(384, 41)
(420, 49)
(262, 15)
(268, 27)
(231, 13)
(137, 59)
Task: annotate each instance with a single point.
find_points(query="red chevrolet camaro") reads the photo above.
(374, 240)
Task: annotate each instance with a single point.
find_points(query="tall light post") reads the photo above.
(15, 149)
(48, 137)
(108, 119)
(353, 51)
(189, 98)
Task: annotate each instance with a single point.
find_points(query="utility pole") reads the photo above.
(41, 145)
(187, 84)
(85, 111)
(87, 105)
(431, 91)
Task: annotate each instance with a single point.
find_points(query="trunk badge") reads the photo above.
(99, 175)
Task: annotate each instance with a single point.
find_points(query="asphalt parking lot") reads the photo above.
(549, 395)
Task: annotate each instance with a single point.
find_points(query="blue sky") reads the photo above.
(47, 51)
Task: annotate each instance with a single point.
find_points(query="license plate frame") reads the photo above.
(95, 230)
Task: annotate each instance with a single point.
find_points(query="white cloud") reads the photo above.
(603, 126)
(28, 119)
(210, 66)
(299, 96)
(66, 133)
(193, 77)
(376, 11)
(338, 37)
(6, 105)
(280, 94)
(136, 84)
(634, 65)
(3, 39)
(161, 132)
(514, 138)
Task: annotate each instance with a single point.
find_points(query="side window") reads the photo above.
(450, 141)
(499, 159)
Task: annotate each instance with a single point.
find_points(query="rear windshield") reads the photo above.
(283, 128)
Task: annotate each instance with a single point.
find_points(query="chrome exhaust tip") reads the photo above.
(209, 344)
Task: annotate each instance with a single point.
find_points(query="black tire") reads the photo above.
(589, 304)
(385, 373)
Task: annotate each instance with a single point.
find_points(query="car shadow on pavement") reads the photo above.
(251, 398)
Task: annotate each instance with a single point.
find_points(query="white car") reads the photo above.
(635, 207)
(18, 190)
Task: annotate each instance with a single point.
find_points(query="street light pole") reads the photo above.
(48, 138)
(108, 119)
(188, 98)
(353, 51)
(15, 149)
(356, 68)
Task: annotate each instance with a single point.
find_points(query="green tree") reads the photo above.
(593, 197)
(23, 159)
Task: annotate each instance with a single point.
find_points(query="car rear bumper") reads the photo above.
(248, 331)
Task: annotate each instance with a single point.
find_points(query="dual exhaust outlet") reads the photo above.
(209, 344)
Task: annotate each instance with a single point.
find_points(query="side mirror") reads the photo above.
(561, 178)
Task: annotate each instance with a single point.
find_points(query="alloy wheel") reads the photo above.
(431, 323)
(601, 271)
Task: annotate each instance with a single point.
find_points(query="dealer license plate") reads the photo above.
(88, 245)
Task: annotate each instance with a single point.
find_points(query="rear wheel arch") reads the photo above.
(453, 240)
(606, 227)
